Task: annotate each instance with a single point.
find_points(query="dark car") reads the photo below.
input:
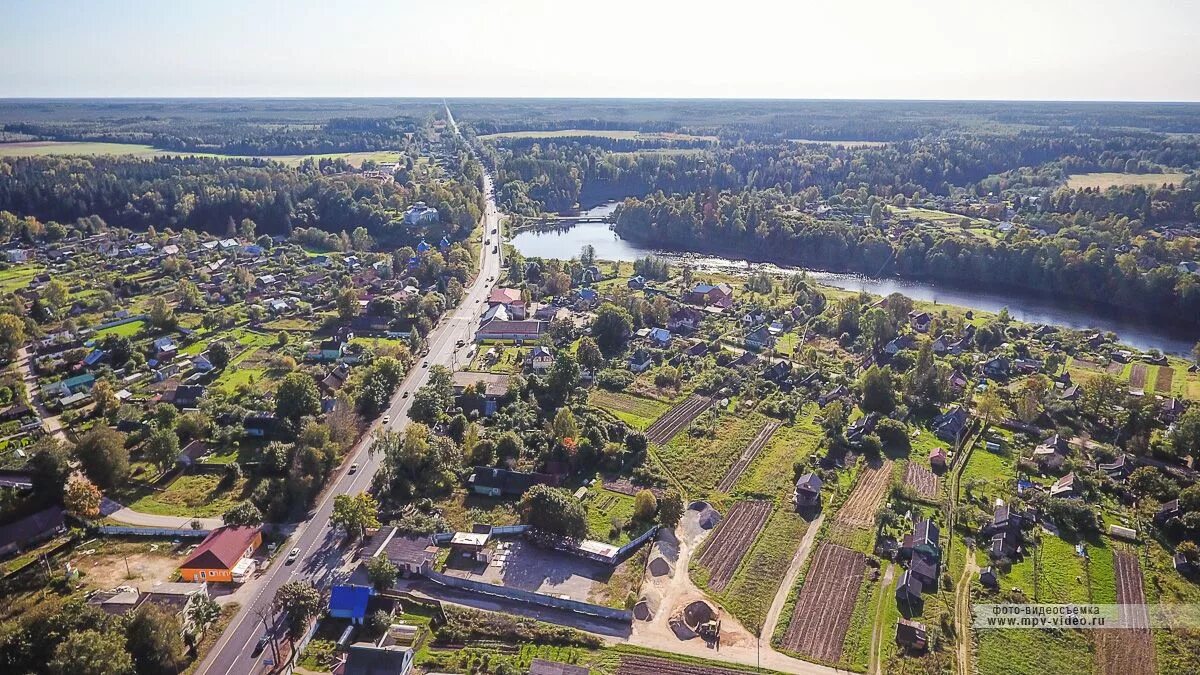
(261, 645)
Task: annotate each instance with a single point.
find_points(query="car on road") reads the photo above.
(387, 419)
(354, 468)
(293, 555)
(260, 645)
(494, 249)
(425, 364)
(460, 343)
(405, 395)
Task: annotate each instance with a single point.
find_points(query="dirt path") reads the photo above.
(962, 613)
(738, 645)
(873, 668)
(50, 423)
(789, 579)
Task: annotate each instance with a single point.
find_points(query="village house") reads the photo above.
(1064, 488)
(640, 360)
(517, 331)
(540, 359)
(366, 658)
(412, 553)
(660, 337)
(951, 425)
(808, 491)
(919, 320)
(684, 320)
(911, 635)
(223, 556)
(708, 295)
(759, 339)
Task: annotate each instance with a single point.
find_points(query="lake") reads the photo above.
(1143, 334)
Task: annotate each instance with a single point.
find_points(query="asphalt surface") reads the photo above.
(319, 543)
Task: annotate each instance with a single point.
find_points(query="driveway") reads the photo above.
(123, 514)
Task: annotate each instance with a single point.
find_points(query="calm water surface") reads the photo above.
(1139, 333)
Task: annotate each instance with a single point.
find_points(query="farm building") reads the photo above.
(31, 530)
(412, 554)
(908, 588)
(1064, 488)
(220, 556)
(911, 634)
(937, 460)
(808, 491)
(365, 658)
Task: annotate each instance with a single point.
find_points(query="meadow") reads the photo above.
(1105, 180)
(87, 148)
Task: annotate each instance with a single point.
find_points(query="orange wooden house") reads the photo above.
(219, 554)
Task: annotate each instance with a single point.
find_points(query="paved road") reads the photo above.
(319, 544)
(123, 514)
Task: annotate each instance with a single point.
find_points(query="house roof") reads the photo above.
(350, 600)
(504, 296)
(496, 384)
(810, 482)
(221, 549)
(403, 548)
(497, 327)
(32, 527)
(910, 632)
(364, 658)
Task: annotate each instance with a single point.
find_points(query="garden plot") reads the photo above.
(637, 411)
(859, 509)
(826, 601)
(747, 457)
(1137, 377)
(921, 480)
(1127, 651)
(665, 428)
(1164, 379)
(648, 665)
(732, 540)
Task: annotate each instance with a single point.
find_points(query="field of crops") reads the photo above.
(921, 479)
(859, 509)
(1103, 180)
(1127, 651)
(665, 428)
(826, 601)
(747, 456)
(1164, 379)
(1137, 376)
(639, 412)
(648, 665)
(732, 540)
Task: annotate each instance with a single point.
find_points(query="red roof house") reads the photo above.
(221, 551)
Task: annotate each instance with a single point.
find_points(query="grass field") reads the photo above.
(124, 330)
(1105, 180)
(197, 495)
(839, 144)
(635, 411)
(700, 463)
(620, 134)
(17, 277)
(56, 148)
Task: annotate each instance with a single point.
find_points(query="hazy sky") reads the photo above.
(936, 49)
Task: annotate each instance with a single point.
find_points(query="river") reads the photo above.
(1142, 334)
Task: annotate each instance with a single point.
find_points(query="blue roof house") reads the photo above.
(350, 602)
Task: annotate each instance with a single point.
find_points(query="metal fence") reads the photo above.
(530, 597)
(122, 530)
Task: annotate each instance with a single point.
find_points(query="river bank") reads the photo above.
(1139, 331)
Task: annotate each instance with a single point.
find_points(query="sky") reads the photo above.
(1143, 50)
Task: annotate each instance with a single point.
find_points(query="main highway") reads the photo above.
(320, 554)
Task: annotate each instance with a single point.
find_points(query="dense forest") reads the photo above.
(206, 194)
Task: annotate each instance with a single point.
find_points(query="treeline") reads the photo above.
(233, 136)
(759, 225)
(207, 194)
(554, 175)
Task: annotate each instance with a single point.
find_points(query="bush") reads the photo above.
(615, 380)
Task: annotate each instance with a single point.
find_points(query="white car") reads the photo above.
(293, 555)
(387, 419)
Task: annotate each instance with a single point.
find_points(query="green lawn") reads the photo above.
(128, 330)
(17, 277)
(199, 495)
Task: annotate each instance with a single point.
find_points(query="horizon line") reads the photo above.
(593, 98)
